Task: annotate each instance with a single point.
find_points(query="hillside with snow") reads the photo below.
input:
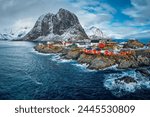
(95, 33)
(64, 25)
(14, 34)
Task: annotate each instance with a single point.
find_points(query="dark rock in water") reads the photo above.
(63, 25)
(133, 44)
(126, 79)
(143, 71)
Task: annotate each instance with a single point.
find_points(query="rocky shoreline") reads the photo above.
(133, 70)
(138, 58)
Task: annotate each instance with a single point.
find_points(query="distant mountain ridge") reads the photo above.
(18, 34)
(64, 25)
(61, 26)
(95, 33)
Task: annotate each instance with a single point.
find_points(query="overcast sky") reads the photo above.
(116, 18)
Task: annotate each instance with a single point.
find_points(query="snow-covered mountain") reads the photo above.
(95, 33)
(61, 26)
(5, 36)
(16, 34)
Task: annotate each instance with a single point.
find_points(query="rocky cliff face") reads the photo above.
(61, 26)
(138, 57)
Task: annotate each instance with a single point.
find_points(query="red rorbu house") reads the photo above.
(92, 51)
(101, 45)
(49, 44)
(98, 52)
(126, 52)
(108, 53)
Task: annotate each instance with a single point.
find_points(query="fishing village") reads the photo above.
(102, 53)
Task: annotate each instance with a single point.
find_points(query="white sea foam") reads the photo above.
(122, 43)
(113, 67)
(43, 54)
(83, 67)
(33, 79)
(146, 84)
(65, 60)
(56, 57)
(121, 88)
(38, 83)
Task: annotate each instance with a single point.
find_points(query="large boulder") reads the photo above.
(46, 49)
(85, 58)
(73, 53)
(126, 79)
(142, 52)
(143, 61)
(134, 44)
(101, 63)
(124, 64)
(61, 26)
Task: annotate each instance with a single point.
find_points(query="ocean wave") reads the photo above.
(31, 79)
(122, 88)
(38, 83)
(83, 67)
(56, 57)
(65, 60)
(43, 54)
(113, 67)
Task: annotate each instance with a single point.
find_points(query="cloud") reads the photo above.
(22, 23)
(108, 8)
(141, 34)
(139, 12)
(18, 13)
(93, 13)
(118, 30)
(13, 11)
(88, 19)
(15, 14)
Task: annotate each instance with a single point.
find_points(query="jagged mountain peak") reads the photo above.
(63, 25)
(65, 14)
(95, 33)
(62, 10)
